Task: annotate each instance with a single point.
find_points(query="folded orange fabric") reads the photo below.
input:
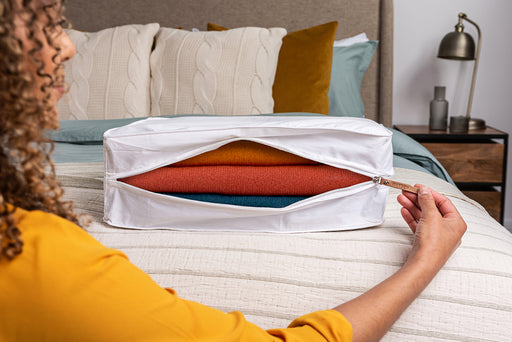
(245, 152)
(295, 180)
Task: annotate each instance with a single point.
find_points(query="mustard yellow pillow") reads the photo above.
(303, 72)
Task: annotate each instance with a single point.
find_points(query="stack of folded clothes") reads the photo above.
(246, 173)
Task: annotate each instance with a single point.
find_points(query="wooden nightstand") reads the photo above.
(476, 161)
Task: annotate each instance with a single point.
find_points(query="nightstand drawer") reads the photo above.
(476, 160)
(470, 162)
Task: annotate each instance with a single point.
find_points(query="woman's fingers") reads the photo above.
(411, 196)
(410, 204)
(409, 219)
(445, 206)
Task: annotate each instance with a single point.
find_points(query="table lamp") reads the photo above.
(459, 45)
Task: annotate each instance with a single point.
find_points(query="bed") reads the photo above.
(273, 278)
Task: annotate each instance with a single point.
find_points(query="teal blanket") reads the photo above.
(81, 141)
(414, 154)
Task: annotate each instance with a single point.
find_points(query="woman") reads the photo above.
(31, 83)
(59, 284)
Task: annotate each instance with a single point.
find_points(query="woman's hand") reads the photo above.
(437, 228)
(436, 224)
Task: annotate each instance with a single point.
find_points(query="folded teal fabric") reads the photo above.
(246, 201)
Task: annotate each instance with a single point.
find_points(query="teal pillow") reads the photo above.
(349, 63)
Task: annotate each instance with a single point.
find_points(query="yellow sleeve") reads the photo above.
(66, 286)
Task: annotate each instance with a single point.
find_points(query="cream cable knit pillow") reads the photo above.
(109, 75)
(222, 73)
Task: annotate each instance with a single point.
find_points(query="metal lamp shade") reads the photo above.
(457, 45)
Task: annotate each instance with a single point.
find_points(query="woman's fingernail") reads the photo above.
(424, 191)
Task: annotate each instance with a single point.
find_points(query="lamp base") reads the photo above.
(459, 124)
(476, 124)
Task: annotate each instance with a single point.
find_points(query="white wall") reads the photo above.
(419, 27)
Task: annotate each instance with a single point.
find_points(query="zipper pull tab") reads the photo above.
(395, 184)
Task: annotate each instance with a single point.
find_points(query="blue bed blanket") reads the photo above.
(81, 141)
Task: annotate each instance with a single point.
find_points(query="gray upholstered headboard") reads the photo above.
(375, 17)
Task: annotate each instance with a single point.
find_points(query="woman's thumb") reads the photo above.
(426, 200)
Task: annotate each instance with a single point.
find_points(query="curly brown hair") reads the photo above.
(28, 177)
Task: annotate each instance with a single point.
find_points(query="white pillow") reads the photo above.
(219, 73)
(109, 75)
(360, 38)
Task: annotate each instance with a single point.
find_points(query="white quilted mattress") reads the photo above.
(273, 278)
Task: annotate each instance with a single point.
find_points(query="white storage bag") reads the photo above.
(356, 144)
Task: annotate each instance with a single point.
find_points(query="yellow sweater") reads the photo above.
(66, 286)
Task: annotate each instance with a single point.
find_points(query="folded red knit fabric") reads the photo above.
(245, 152)
(295, 180)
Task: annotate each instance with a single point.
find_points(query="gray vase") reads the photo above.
(438, 110)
